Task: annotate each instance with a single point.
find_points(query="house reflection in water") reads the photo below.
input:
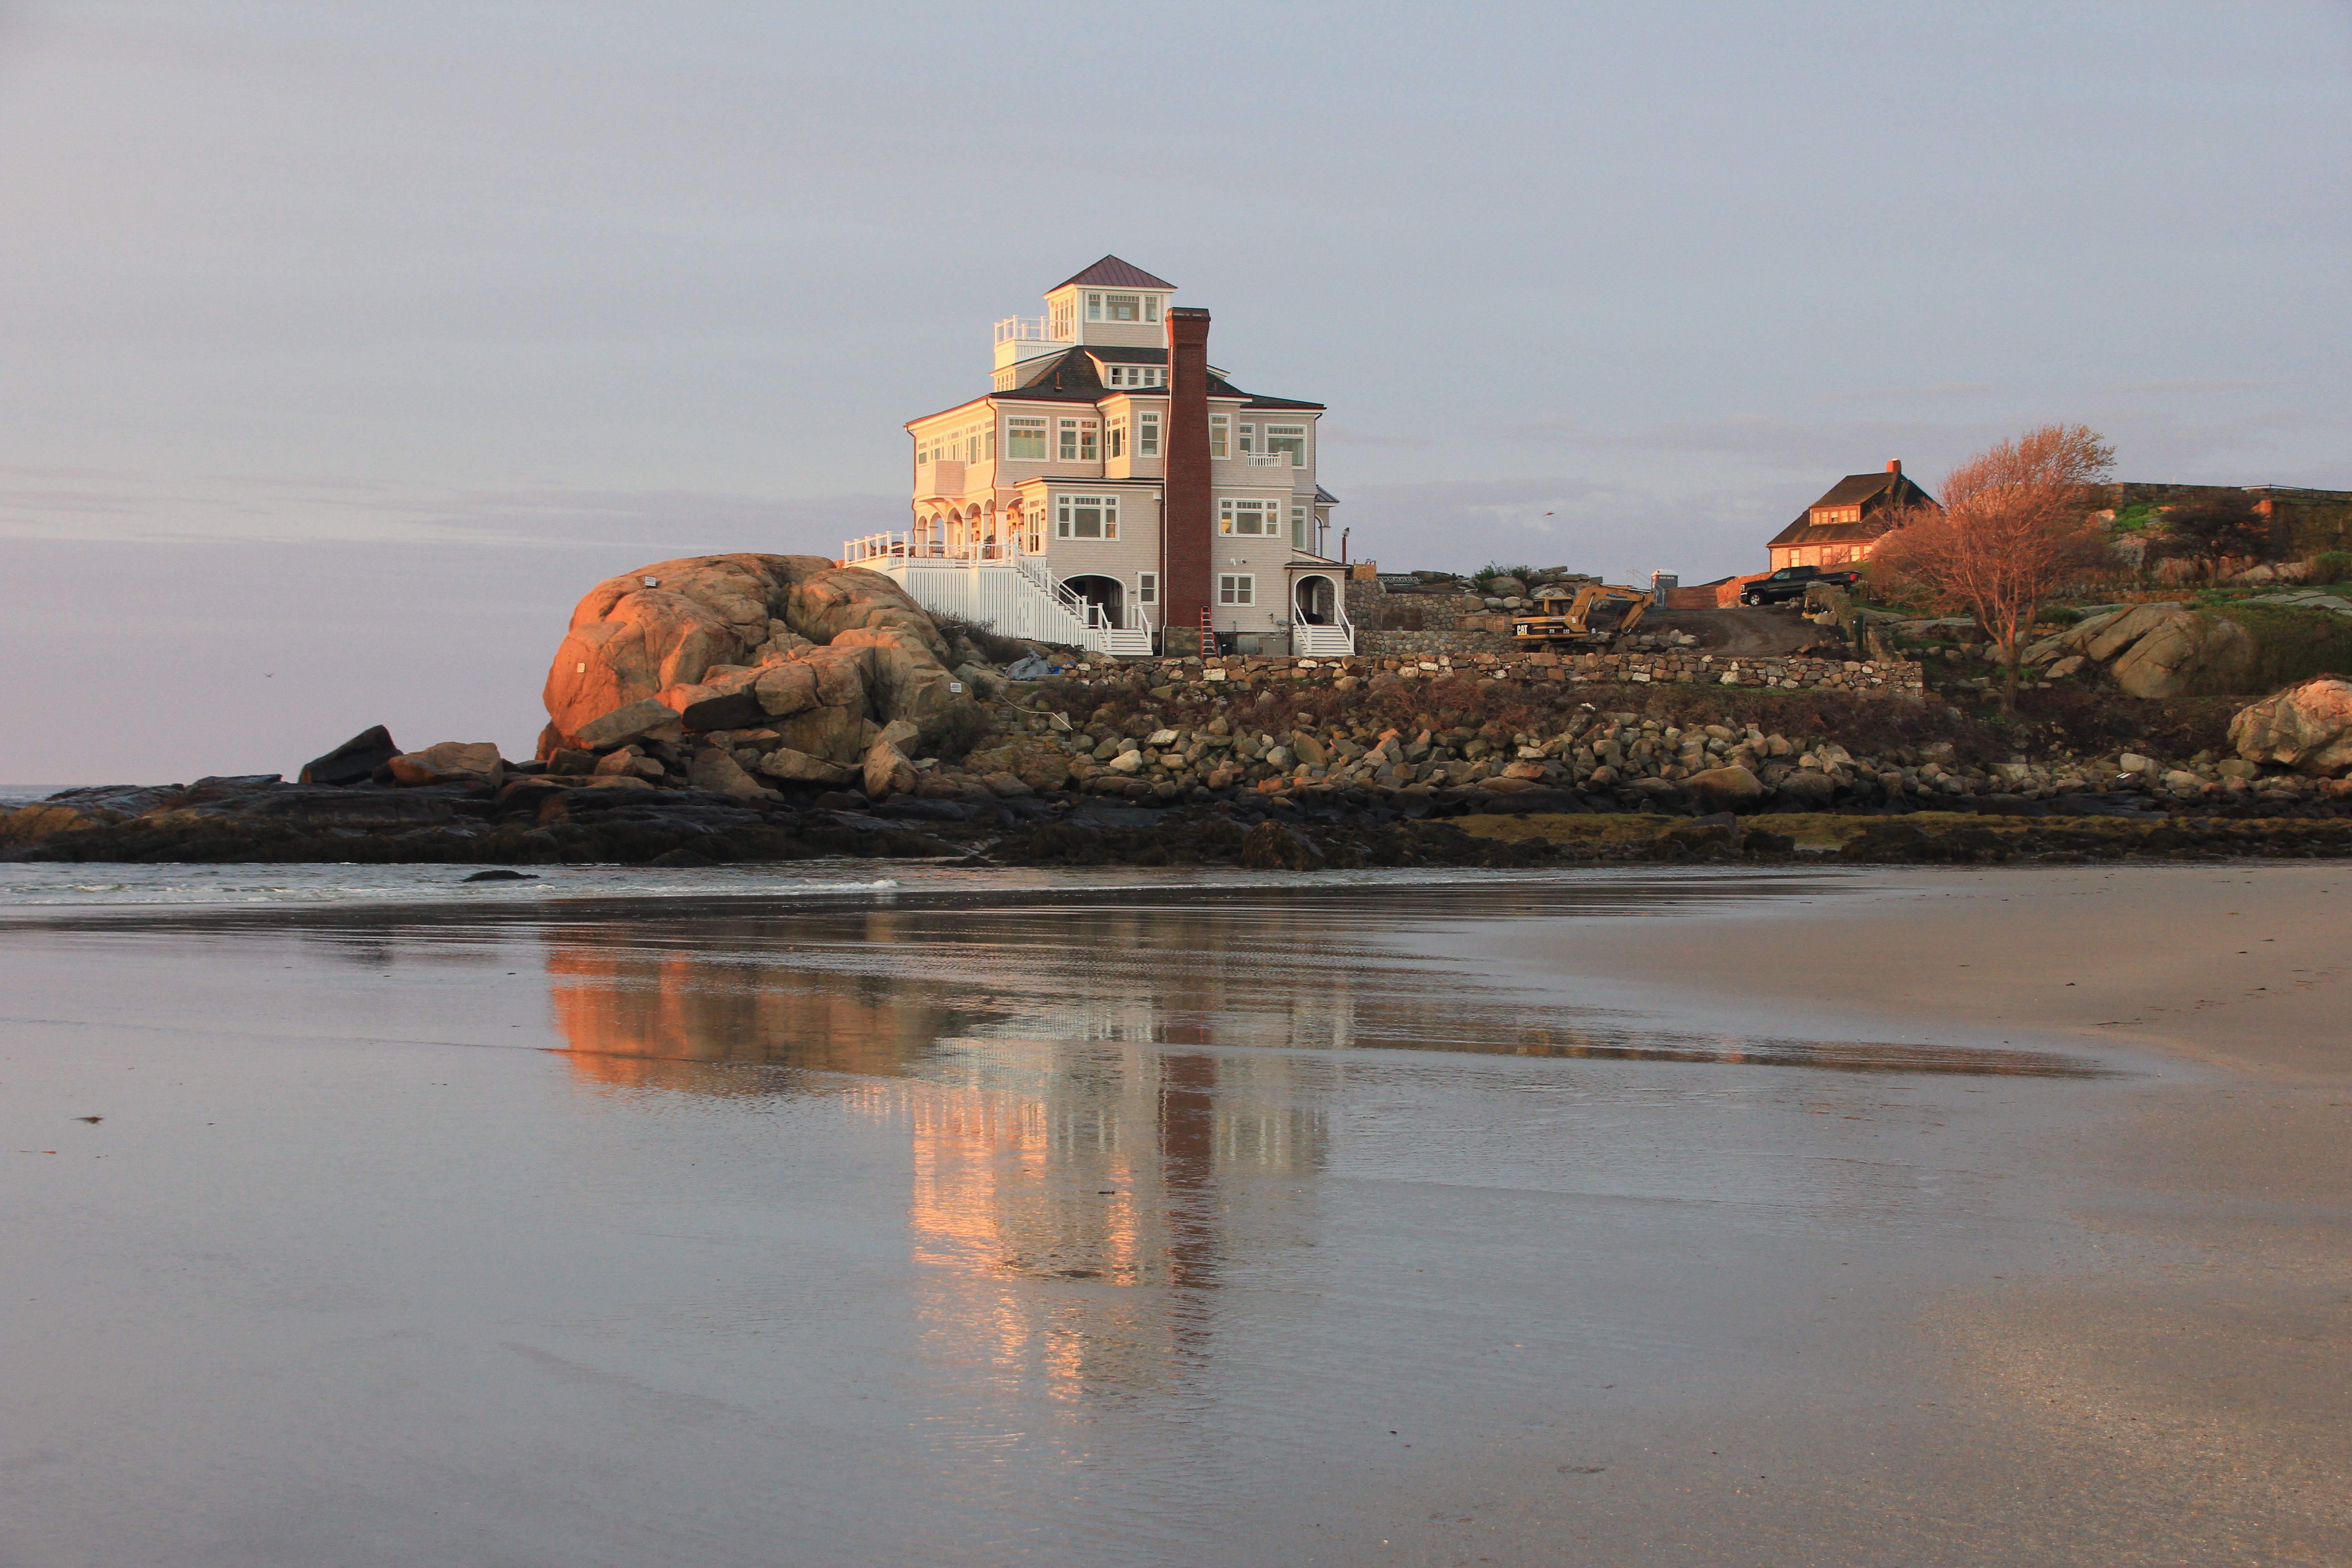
(1076, 1190)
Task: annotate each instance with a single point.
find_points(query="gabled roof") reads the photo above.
(1877, 494)
(1324, 498)
(1110, 272)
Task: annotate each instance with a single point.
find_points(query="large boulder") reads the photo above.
(1731, 788)
(674, 626)
(2103, 636)
(353, 762)
(451, 761)
(2184, 654)
(638, 721)
(2307, 726)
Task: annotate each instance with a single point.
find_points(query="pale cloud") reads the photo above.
(1345, 435)
(92, 507)
(1932, 392)
(2187, 387)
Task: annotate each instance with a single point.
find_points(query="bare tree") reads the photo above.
(2215, 528)
(2013, 528)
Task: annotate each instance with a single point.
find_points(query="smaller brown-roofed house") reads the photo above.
(1848, 521)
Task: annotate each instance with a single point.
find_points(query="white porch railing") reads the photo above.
(1334, 639)
(1000, 585)
(877, 550)
(1029, 329)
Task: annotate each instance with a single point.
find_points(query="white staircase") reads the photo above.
(1010, 593)
(1336, 640)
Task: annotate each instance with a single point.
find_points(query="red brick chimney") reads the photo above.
(1894, 467)
(1187, 523)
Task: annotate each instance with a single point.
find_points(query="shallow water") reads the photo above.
(964, 1223)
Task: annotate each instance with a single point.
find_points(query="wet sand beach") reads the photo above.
(1668, 1218)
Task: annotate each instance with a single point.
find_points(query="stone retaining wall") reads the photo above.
(1863, 677)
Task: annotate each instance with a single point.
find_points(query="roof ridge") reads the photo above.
(1111, 272)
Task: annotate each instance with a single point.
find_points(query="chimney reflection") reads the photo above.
(1076, 1191)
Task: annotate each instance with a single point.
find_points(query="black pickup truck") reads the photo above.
(1791, 582)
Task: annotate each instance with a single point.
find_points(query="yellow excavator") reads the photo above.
(1596, 613)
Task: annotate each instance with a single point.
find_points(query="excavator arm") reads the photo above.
(1575, 624)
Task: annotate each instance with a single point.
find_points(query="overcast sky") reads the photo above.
(347, 344)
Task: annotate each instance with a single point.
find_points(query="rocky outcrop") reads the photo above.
(451, 761)
(2154, 650)
(2307, 726)
(353, 762)
(2186, 654)
(823, 655)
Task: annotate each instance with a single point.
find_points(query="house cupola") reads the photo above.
(1110, 304)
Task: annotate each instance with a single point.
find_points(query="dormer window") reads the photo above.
(1122, 307)
(1135, 375)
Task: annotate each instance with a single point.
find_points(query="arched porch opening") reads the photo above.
(1107, 593)
(1315, 600)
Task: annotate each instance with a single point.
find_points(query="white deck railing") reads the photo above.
(1029, 329)
(1333, 640)
(999, 585)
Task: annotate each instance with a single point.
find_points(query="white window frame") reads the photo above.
(1147, 434)
(1020, 427)
(1237, 590)
(1066, 525)
(1302, 528)
(1285, 434)
(1065, 441)
(1245, 439)
(1233, 510)
(1220, 435)
(1147, 588)
(1115, 437)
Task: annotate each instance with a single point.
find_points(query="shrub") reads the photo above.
(2291, 644)
(959, 731)
(2332, 566)
(981, 640)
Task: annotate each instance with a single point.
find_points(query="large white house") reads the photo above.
(1115, 490)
